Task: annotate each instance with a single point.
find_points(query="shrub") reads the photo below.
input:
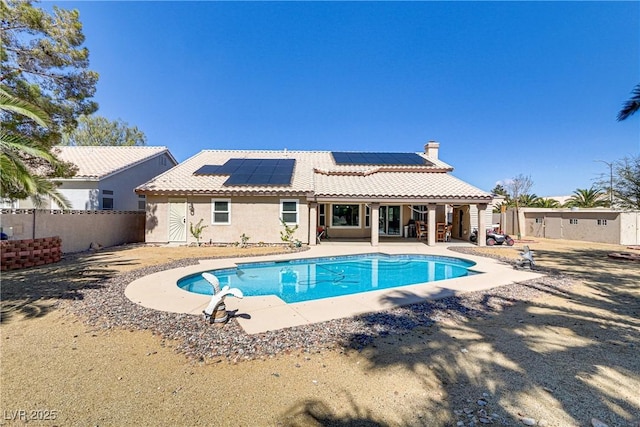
(287, 234)
(196, 231)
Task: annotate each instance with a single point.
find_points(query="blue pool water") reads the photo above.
(317, 278)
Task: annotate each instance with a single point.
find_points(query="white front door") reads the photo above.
(177, 220)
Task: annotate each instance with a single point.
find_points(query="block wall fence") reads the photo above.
(16, 254)
(77, 230)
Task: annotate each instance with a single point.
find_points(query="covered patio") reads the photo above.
(431, 222)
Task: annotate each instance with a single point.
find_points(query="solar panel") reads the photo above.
(252, 171)
(231, 166)
(208, 170)
(259, 171)
(363, 158)
(280, 179)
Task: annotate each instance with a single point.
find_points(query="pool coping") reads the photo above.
(159, 291)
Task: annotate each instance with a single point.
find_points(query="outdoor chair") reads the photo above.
(421, 229)
(321, 233)
(441, 231)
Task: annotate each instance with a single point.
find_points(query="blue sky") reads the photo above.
(507, 88)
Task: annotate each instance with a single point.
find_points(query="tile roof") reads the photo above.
(316, 173)
(181, 179)
(406, 184)
(97, 162)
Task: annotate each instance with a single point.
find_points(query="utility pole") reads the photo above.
(610, 164)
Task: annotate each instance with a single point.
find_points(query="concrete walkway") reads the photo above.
(258, 314)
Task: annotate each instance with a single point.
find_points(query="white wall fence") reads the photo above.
(78, 229)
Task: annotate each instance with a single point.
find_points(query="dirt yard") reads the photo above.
(568, 358)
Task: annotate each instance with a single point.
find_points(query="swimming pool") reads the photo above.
(317, 278)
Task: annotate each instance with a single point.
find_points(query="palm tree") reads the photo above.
(547, 203)
(17, 180)
(631, 106)
(528, 200)
(587, 198)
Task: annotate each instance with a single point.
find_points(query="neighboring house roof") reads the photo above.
(561, 199)
(99, 162)
(316, 174)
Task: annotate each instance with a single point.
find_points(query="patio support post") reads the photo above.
(431, 224)
(482, 226)
(313, 223)
(375, 217)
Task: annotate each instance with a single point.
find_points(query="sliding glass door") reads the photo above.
(389, 223)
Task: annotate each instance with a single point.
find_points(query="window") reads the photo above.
(367, 217)
(345, 216)
(573, 221)
(322, 216)
(289, 211)
(163, 161)
(602, 222)
(539, 220)
(107, 200)
(220, 211)
(142, 202)
(419, 212)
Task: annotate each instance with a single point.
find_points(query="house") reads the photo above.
(351, 195)
(107, 176)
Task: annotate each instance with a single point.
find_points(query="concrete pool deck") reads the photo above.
(159, 291)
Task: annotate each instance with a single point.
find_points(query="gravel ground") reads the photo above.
(557, 351)
(107, 307)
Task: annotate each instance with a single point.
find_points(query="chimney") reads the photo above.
(431, 149)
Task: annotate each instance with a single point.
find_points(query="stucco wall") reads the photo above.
(83, 195)
(557, 225)
(620, 227)
(630, 228)
(256, 217)
(124, 183)
(77, 229)
(81, 198)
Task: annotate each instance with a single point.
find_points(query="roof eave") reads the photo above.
(402, 200)
(226, 193)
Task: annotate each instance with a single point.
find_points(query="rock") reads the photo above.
(106, 306)
(482, 402)
(464, 350)
(528, 421)
(460, 424)
(597, 423)
(484, 420)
